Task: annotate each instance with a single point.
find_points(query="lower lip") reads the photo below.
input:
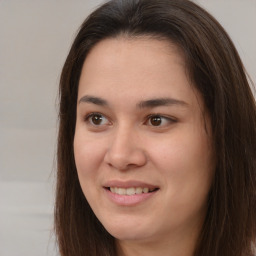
(132, 200)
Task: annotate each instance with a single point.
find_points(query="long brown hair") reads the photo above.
(217, 72)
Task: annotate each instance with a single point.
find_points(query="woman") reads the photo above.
(156, 147)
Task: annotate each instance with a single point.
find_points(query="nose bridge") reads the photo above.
(123, 138)
(125, 148)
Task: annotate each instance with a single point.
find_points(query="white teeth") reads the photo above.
(145, 190)
(139, 190)
(121, 191)
(130, 191)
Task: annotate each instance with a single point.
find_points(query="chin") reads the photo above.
(129, 232)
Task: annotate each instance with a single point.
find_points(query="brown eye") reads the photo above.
(96, 119)
(159, 121)
(155, 120)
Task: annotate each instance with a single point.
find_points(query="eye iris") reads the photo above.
(96, 119)
(156, 120)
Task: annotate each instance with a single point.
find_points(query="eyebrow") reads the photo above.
(94, 100)
(161, 102)
(151, 103)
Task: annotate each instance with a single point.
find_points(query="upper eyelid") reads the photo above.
(93, 113)
(162, 116)
(96, 113)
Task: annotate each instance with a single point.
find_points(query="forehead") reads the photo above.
(142, 52)
(135, 68)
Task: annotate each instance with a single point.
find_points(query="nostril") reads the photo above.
(124, 157)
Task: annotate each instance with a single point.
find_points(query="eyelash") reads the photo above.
(161, 117)
(170, 120)
(91, 115)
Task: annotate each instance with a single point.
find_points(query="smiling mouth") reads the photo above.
(131, 191)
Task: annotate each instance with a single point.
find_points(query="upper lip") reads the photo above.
(128, 184)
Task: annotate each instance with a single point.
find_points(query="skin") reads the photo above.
(175, 154)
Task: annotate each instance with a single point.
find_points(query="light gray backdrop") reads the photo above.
(35, 37)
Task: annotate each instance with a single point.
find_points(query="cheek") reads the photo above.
(88, 157)
(185, 159)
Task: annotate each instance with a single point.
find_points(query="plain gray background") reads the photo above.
(35, 37)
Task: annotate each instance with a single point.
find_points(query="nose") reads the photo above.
(126, 150)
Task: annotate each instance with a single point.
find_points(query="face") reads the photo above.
(142, 140)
